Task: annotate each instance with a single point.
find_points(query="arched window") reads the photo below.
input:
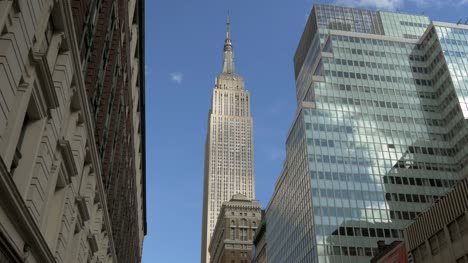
(254, 224)
(243, 222)
(233, 223)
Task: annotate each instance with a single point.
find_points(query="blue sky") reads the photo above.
(184, 42)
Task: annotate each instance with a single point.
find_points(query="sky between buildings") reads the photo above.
(184, 48)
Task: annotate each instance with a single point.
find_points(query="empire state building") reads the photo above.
(229, 166)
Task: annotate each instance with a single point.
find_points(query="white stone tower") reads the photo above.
(229, 165)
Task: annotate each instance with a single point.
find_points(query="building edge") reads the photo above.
(143, 105)
(67, 9)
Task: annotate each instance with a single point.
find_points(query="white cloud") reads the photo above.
(380, 4)
(276, 154)
(395, 4)
(437, 3)
(177, 77)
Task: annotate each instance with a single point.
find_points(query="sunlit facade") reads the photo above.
(233, 236)
(380, 132)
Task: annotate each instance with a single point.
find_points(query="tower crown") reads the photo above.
(228, 63)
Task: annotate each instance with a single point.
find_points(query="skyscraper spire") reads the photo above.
(228, 27)
(227, 173)
(228, 63)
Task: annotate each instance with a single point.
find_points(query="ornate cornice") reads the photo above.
(93, 244)
(40, 103)
(82, 208)
(45, 76)
(67, 156)
(244, 206)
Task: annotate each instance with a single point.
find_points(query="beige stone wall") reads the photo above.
(52, 205)
(137, 119)
(440, 234)
(235, 229)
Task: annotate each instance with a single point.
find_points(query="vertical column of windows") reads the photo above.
(87, 38)
(110, 104)
(96, 97)
(115, 143)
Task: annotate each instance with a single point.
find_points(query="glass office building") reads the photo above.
(379, 135)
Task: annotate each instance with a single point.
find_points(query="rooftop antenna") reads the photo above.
(228, 26)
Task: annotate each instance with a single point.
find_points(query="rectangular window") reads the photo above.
(243, 234)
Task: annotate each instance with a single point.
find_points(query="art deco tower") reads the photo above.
(229, 167)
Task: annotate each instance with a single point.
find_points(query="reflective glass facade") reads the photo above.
(380, 133)
(349, 19)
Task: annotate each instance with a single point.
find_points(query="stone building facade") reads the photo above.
(57, 199)
(110, 38)
(235, 229)
(440, 234)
